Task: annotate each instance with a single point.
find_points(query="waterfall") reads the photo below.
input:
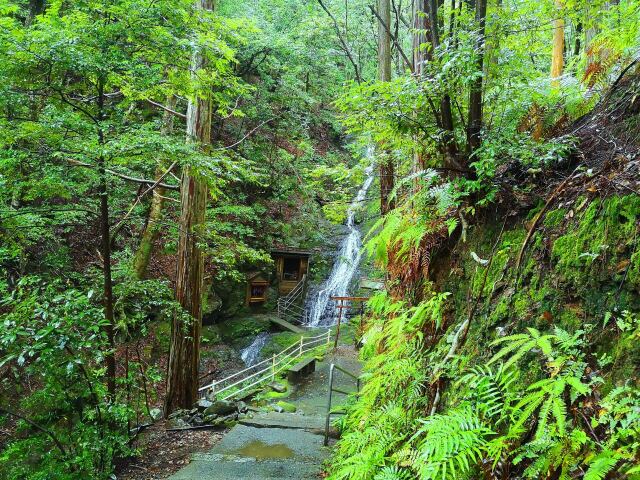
(321, 308)
(251, 354)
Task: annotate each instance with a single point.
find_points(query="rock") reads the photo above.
(225, 421)
(220, 407)
(196, 420)
(203, 404)
(176, 423)
(277, 387)
(210, 418)
(242, 407)
(277, 408)
(155, 414)
(287, 407)
(179, 414)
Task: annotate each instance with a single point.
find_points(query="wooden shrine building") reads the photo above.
(292, 266)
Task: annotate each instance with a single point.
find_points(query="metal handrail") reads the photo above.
(332, 389)
(278, 362)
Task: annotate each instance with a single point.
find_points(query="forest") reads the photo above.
(193, 191)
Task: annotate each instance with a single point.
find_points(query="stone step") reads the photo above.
(259, 453)
(285, 420)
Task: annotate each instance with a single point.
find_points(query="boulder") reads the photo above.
(277, 387)
(242, 407)
(220, 407)
(287, 407)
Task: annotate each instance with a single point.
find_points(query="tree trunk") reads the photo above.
(152, 229)
(557, 59)
(446, 115)
(384, 75)
(184, 353)
(420, 57)
(105, 233)
(475, 93)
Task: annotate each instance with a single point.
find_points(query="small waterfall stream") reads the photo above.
(251, 354)
(320, 308)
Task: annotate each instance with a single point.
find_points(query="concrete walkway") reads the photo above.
(278, 445)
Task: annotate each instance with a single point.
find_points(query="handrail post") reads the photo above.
(327, 420)
(273, 368)
(301, 342)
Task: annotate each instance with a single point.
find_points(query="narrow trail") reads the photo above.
(275, 445)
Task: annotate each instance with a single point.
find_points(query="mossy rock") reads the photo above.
(287, 407)
(278, 342)
(236, 330)
(211, 334)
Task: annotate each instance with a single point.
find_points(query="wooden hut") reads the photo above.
(292, 265)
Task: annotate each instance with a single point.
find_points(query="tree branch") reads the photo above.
(166, 109)
(38, 427)
(345, 46)
(248, 134)
(393, 37)
(144, 181)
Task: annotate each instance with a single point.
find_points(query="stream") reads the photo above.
(251, 355)
(321, 311)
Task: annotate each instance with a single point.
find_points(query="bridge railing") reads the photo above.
(266, 370)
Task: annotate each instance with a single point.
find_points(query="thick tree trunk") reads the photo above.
(384, 75)
(152, 229)
(557, 58)
(182, 375)
(475, 93)
(105, 233)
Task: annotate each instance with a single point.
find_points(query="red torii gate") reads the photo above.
(343, 305)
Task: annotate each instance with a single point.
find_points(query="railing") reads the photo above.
(287, 306)
(266, 370)
(332, 389)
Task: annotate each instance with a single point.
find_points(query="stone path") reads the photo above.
(277, 445)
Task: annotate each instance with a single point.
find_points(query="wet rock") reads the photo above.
(277, 408)
(196, 420)
(180, 413)
(225, 421)
(203, 404)
(242, 407)
(155, 414)
(176, 423)
(220, 407)
(277, 387)
(208, 419)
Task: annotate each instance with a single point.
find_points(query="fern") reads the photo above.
(451, 445)
(601, 465)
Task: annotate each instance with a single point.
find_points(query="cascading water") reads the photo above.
(321, 311)
(251, 354)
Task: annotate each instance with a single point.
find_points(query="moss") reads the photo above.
(237, 329)
(162, 332)
(278, 342)
(211, 334)
(554, 218)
